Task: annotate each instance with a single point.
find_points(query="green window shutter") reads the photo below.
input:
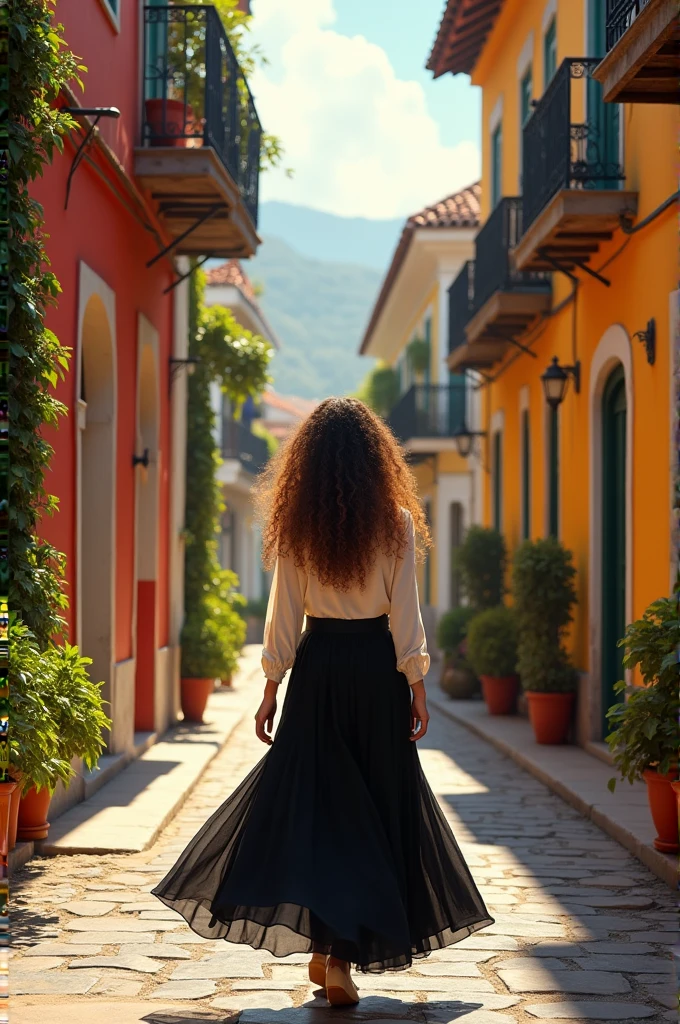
(496, 165)
(553, 473)
(526, 477)
(497, 478)
(525, 95)
(550, 53)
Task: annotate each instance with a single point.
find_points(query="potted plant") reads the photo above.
(419, 355)
(492, 650)
(56, 716)
(457, 680)
(543, 595)
(644, 727)
(481, 562)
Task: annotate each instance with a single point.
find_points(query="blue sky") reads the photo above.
(366, 129)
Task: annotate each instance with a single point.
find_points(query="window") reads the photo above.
(550, 53)
(526, 477)
(553, 472)
(112, 10)
(525, 96)
(497, 479)
(496, 165)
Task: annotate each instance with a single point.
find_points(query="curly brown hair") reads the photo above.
(333, 495)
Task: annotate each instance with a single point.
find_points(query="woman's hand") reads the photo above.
(419, 713)
(264, 719)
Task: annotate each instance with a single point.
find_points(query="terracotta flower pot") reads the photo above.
(676, 789)
(500, 694)
(169, 122)
(7, 790)
(33, 810)
(550, 716)
(14, 814)
(227, 683)
(194, 697)
(663, 804)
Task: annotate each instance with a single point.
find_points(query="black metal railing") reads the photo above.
(195, 93)
(240, 443)
(620, 16)
(559, 154)
(429, 410)
(493, 268)
(461, 296)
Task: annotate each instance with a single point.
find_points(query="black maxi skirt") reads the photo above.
(334, 842)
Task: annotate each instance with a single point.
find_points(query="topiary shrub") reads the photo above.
(543, 594)
(452, 629)
(492, 642)
(481, 561)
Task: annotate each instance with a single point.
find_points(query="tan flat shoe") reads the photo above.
(317, 970)
(340, 989)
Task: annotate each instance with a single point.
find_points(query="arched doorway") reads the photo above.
(96, 499)
(614, 429)
(146, 535)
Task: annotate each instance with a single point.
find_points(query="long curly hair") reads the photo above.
(333, 494)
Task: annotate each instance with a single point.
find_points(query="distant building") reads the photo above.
(244, 453)
(409, 329)
(282, 413)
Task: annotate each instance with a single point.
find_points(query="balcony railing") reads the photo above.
(493, 269)
(620, 16)
(560, 154)
(240, 443)
(429, 410)
(195, 93)
(461, 296)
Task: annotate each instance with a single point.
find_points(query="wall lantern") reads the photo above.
(556, 379)
(191, 362)
(141, 460)
(464, 440)
(648, 339)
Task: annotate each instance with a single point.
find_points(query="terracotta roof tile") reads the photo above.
(232, 272)
(463, 31)
(459, 210)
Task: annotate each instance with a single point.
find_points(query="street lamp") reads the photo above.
(464, 440)
(189, 364)
(556, 379)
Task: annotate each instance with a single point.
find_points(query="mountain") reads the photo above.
(319, 310)
(325, 236)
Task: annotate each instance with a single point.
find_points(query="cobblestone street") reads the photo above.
(582, 930)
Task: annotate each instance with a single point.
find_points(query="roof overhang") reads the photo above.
(464, 28)
(248, 314)
(427, 252)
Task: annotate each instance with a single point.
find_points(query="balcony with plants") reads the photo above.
(642, 63)
(573, 181)
(201, 136)
(505, 302)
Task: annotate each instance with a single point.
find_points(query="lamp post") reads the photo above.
(464, 440)
(556, 380)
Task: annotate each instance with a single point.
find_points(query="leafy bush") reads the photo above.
(452, 629)
(380, 389)
(492, 642)
(55, 709)
(481, 561)
(543, 595)
(644, 728)
(418, 352)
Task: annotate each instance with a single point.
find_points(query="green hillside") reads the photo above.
(319, 311)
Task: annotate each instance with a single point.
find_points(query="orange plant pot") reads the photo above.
(676, 789)
(227, 683)
(33, 809)
(500, 694)
(663, 803)
(194, 695)
(7, 790)
(550, 716)
(14, 814)
(170, 122)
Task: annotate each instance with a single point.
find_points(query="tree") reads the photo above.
(380, 388)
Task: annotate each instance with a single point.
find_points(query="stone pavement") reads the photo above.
(583, 931)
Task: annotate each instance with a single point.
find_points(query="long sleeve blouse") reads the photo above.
(391, 589)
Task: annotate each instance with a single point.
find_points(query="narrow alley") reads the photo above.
(582, 929)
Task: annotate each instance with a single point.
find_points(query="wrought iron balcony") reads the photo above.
(494, 270)
(461, 298)
(572, 175)
(247, 448)
(201, 135)
(428, 413)
(643, 56)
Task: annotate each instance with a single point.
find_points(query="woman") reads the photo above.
(334, 844)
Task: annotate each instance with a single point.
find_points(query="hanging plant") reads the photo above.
(419, 355)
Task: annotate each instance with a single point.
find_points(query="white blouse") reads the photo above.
(390, 588)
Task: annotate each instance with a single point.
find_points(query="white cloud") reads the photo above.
(360, 141)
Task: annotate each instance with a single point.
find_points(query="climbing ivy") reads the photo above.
(40, 65)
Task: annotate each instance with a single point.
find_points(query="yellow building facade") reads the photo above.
(576, 262)
(408, 331)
